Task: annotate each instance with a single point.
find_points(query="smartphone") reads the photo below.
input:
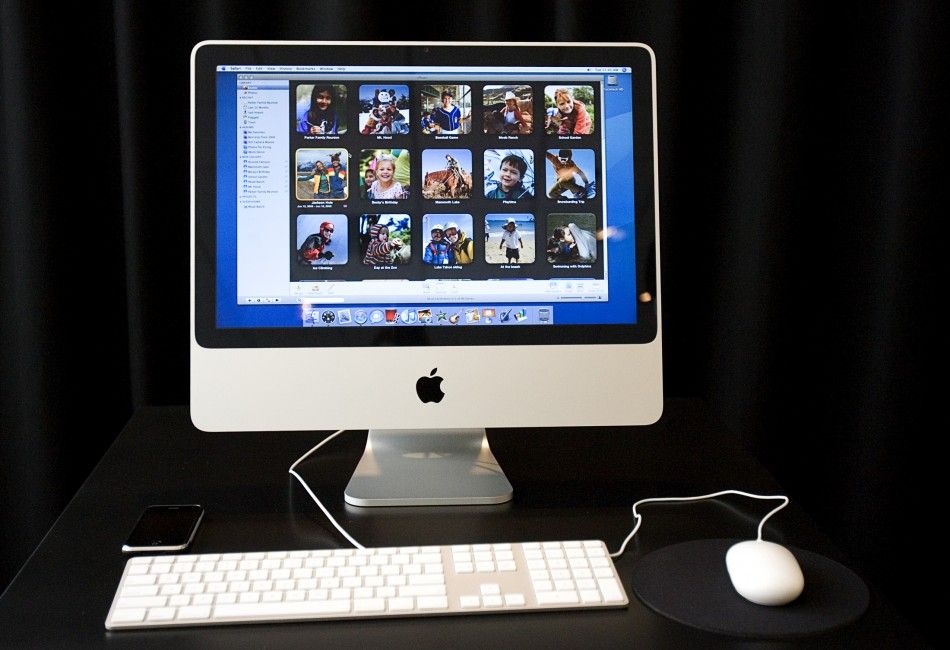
(164, 528)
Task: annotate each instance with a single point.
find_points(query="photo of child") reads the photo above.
(321, 239)
(446, 109)
(384, 110)
(321, 174)
(321, 109)
(385, 239)
(437, 251)
(507, 109)
(384, 174)
(366, 181)
(510, 238)
(566, 176)
(447, 174)
(449, 242)
(509, 174)
(571, 239)
(574, 110)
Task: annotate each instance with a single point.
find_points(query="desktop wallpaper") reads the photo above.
(799, 190)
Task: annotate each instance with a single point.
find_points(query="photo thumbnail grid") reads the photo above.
(390, 160)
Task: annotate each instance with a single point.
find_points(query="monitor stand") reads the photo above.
(427, 467)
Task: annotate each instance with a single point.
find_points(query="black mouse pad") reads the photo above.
(688, 583)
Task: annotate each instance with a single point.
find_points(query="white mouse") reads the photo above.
(764, 572)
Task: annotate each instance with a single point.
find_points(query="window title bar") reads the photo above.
(394, 69)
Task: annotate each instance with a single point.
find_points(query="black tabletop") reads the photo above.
(576, 483)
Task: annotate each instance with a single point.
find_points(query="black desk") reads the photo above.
(575, 484)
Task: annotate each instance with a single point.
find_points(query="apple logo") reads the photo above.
(429, 388)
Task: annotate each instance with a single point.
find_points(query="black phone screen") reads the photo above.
(165, 526)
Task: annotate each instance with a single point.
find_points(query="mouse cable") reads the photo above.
(314, 496)
(638, 518)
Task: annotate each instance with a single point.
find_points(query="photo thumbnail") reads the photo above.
(385, 239)
(446, 109)
(569, 110)
(509, 174)
(321, 109)
(447, 174)
(384, 174)
(322, 239)
(570, 173)
(510, 238)
(571, 239)
(384, 110)
(446, 239)
(321, 174)
(508, 109)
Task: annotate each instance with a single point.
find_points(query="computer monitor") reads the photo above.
(424, 240)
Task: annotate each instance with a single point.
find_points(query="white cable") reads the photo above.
(638, 519)
(314, 496)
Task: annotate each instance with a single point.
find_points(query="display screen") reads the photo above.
(380, 197)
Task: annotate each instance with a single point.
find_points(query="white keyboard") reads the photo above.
(225, 588)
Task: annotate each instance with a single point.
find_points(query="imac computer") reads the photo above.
(424, 240)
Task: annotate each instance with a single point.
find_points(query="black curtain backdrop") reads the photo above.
(802, 155)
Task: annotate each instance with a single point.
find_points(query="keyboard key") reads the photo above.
(611, 590)
(194, 612)
(138, 602)
(557, 597)
(140, 590)
(161, 613)
(422, 590)
(432, 602)
(128, 615)
(274, 610)
(589, 596)
(514, 600)
(401, 604)
(369, 605)
(468, 602)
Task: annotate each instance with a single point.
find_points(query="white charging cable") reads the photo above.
(638, 518)
(314, 496)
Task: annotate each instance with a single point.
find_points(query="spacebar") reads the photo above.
(278, 610)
